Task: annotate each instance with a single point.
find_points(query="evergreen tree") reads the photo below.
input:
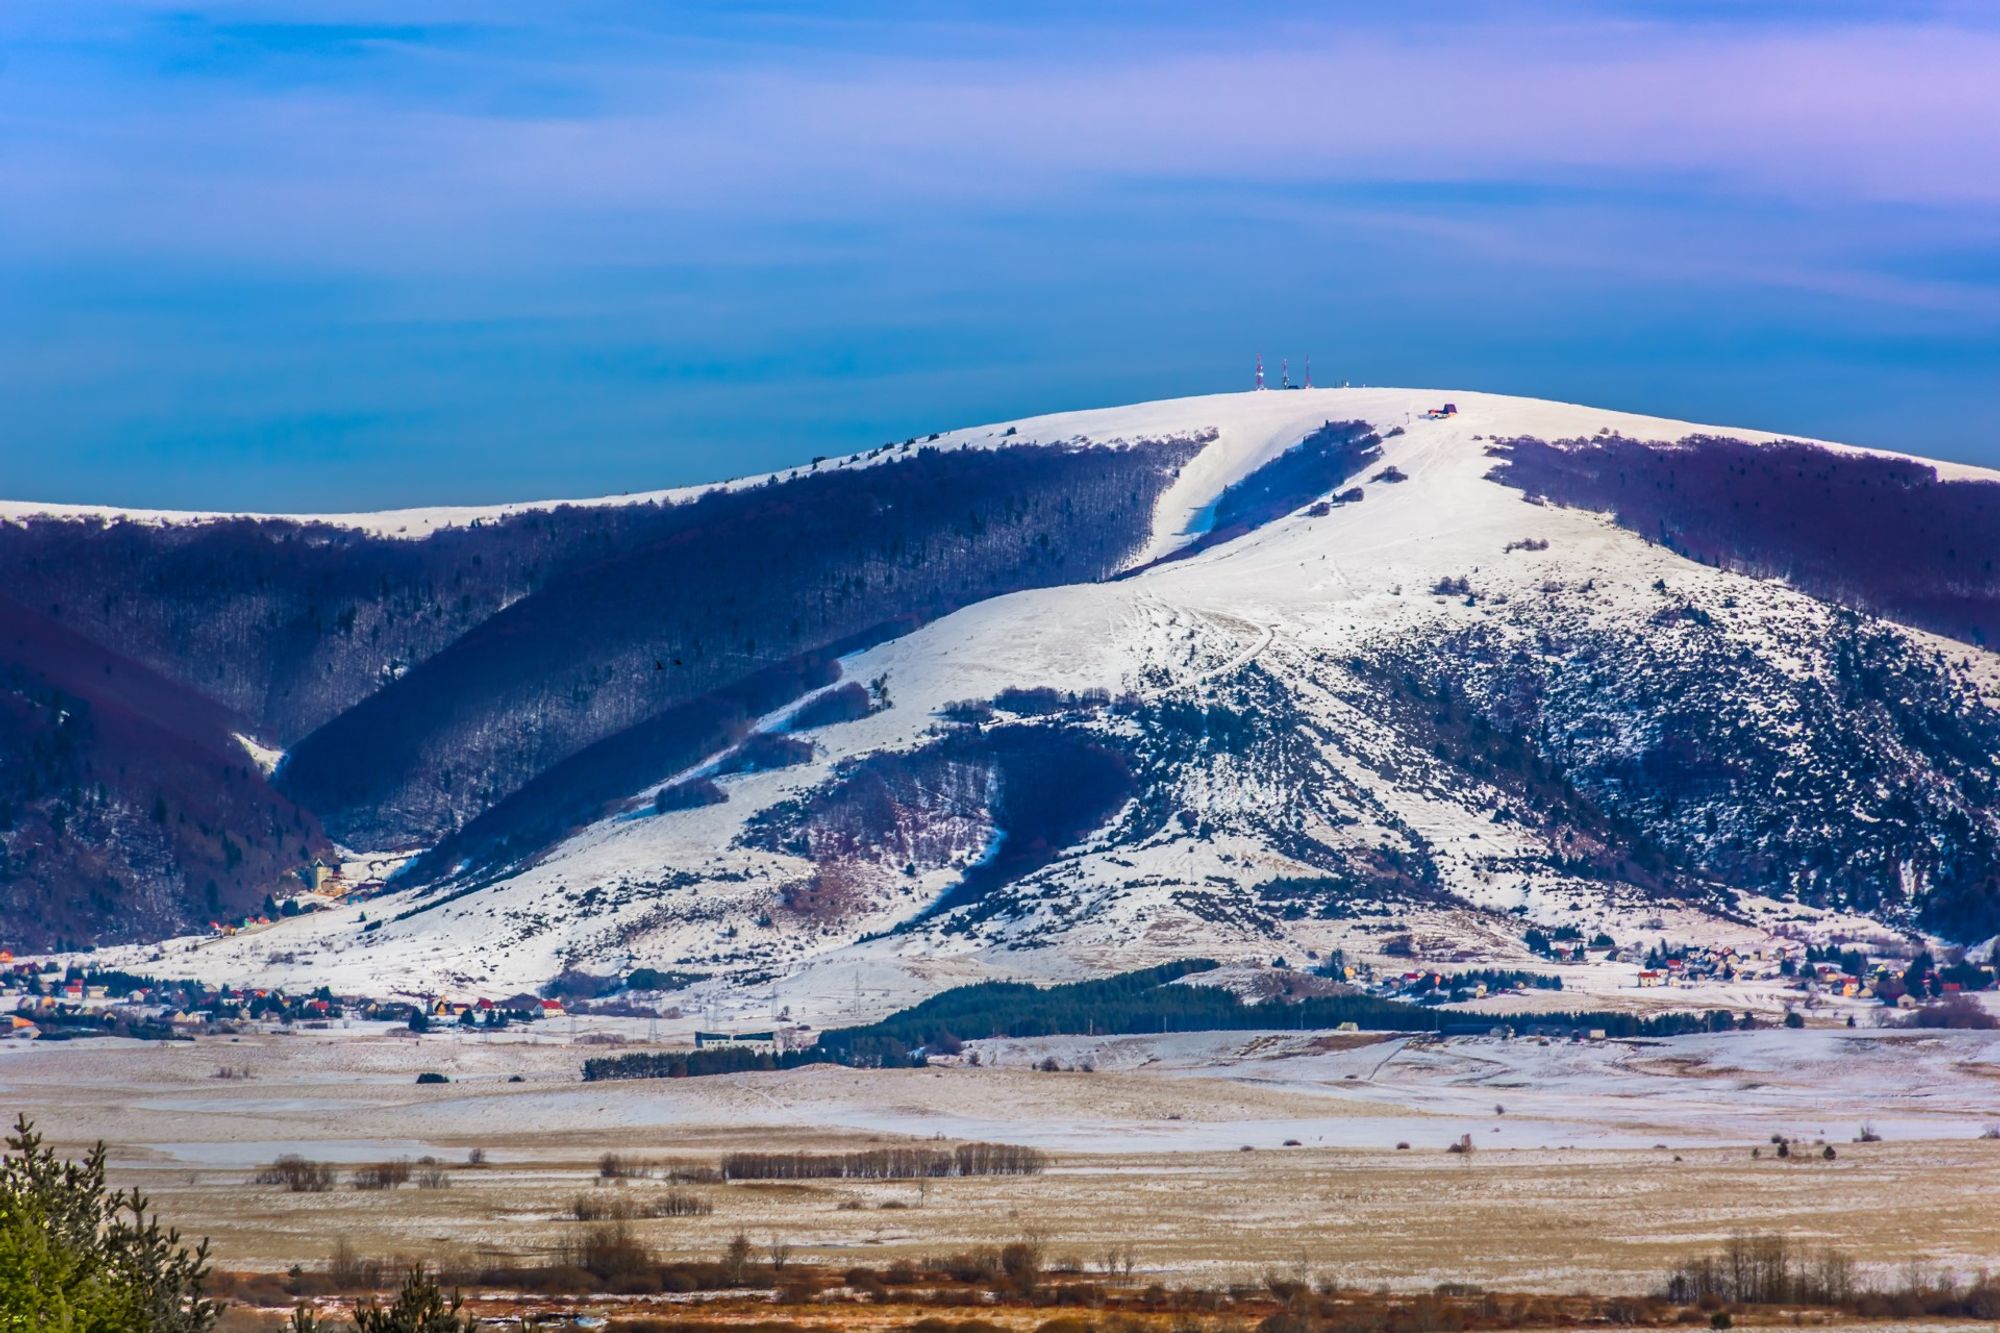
(76, 1257)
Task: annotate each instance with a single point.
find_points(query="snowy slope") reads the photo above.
(1302, 626)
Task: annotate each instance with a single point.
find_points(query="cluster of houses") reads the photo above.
(1423, 984)
(1694, 964)
(1831, 972)
(519, 1009)
(1818, 972)
(39, 1003)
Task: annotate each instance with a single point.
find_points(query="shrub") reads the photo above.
(610, 1252)
(432, 1076)
(1953, 1011)
(842, 703)
(763, 751)
(604, 1206)
(617, 1166)
(297, 1175)
(348, 1271)
(382, 1175)
(690, 794)
(679, 1203)
(1021, 1264)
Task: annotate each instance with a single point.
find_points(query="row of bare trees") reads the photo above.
(301, 1175)
(968, 1159)
(1764, 1270)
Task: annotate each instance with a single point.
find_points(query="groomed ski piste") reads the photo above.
(1292, 600)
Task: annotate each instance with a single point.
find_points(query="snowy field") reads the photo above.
(1212, 1153)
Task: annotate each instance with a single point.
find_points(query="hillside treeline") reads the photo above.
(127, 810)
(1148, 1001)
(1309, 469)
(724, 587)
(533, 668)
(873, 1053)
(1796, 512)
(1128, 1004)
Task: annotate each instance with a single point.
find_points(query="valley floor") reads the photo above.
(1609, 1159)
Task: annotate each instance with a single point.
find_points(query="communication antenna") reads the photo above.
(1260, 372)
(1309, 372)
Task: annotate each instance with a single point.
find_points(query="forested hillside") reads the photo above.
(717, 590)
(127, 810)
(492, 685)
(1880, 534)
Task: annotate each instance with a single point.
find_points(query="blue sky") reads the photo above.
(325, 254)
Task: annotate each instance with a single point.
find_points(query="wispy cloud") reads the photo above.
(389, 132)
(876, 169)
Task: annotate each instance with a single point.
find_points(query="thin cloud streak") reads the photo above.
(1867, 116)
(316, 223)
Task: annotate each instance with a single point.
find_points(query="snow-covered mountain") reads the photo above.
(1249, 675)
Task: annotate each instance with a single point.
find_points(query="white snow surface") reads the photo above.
(1293, 596)
(267, 758)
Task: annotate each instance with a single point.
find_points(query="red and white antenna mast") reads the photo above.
(1260, 370)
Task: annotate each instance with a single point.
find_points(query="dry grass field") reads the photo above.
(1174, 1152)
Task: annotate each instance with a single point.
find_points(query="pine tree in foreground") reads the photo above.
(76, 1257)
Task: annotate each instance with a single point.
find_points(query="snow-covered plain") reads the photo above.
(1597, 1163)
(1292, 600)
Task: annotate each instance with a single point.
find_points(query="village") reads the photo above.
(62, 1003)
(1889, 974)
(1848, 984)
